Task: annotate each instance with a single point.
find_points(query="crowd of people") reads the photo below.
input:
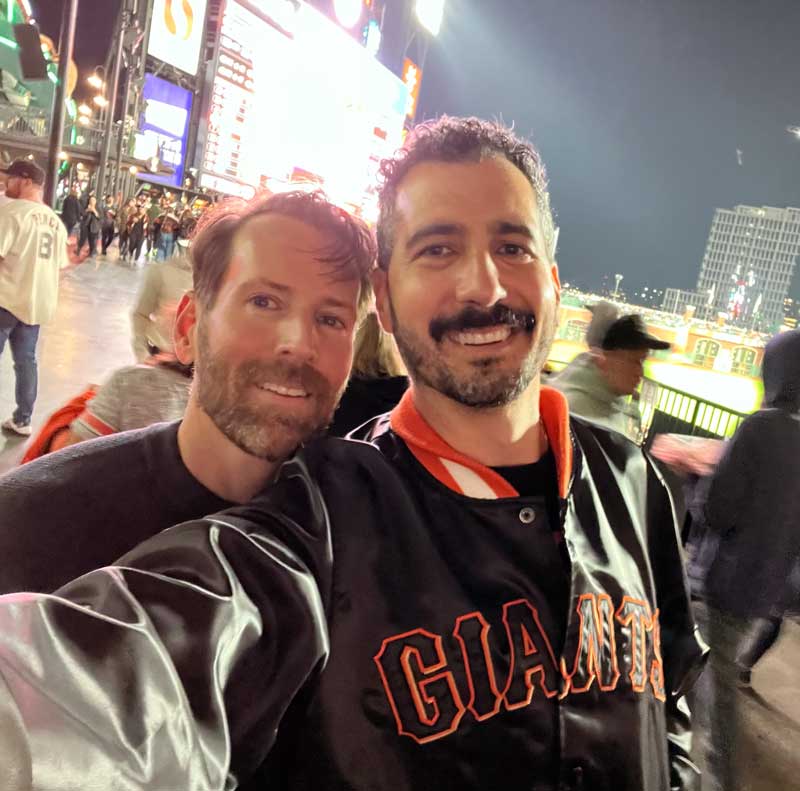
(483, 586)
(148, 224)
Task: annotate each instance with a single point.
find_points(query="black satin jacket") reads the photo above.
(360, 626)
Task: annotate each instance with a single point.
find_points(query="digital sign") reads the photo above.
(165, 127)
(177, 28)
(310, 106)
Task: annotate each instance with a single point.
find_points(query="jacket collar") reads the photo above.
(468, 476)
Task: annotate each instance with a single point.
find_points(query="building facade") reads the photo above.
(748, 265)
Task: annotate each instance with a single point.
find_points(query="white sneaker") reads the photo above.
(10, 425)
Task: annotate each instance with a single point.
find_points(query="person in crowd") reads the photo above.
(162, 285)
(134, 396)
(599, 383)
(90, 227)
(188, 222)
(71, 211)
(749, 552)
(166, 238)
(377, 381)
(154, 212)
(108, 227)
(122, 221)
(482, 593)
(137, 232)
(274, 309)
(33, 250)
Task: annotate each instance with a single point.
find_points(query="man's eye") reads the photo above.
(332, 321)
(436, 250)
(263, 301)
(513, 250)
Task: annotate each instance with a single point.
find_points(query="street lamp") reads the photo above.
(429, 14)
(95, 80)
(84, 109)
(100, 100)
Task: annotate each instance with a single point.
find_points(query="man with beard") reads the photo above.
(484, 594)
(269, 326)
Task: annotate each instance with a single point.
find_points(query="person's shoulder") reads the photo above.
(85, 465)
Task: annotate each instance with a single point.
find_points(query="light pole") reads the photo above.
(617, 280)
(65, 46)
(112, 102)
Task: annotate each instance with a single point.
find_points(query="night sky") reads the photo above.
(638, 106)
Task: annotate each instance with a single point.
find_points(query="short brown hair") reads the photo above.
(351, 252)
(459, 140)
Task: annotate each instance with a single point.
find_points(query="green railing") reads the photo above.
(669, 411)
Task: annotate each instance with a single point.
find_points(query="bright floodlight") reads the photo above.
(348, 12)
(430, 13)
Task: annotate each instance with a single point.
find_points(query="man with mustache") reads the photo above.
(483, 594)
(278, 285)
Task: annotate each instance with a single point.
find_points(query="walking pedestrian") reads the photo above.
(137, 231)
(750, 550)
(90, 227)
(169, 224)
(71, 211)
(33, 248)
(122, 223)
(108, 223)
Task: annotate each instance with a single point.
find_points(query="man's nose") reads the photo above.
(297, 338)
(479, 281)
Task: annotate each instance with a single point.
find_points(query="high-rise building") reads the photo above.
(748, 264)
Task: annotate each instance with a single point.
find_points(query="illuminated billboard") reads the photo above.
(176, 32)
(299, 100)
(164, 128)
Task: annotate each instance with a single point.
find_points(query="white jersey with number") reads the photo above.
(33, 248)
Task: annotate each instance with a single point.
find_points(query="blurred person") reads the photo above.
(161, 285)
(377, 381)
(278, 284)
(124, 214)
(33, 250)
(137, 232)
(188, 222)
(482, 593)
(154, 212)
(167, 234)
(90, 227)
(599, 383)
(134, 396)
(108, 228)
(71, 211)
(748, 555)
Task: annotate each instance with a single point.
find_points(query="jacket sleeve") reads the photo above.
(732, 483)
(171, 669)
(683, 650)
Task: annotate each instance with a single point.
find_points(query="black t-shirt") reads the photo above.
(539, 479)
(85, 506)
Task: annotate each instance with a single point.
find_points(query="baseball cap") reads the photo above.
(630, 332)
(25, 169)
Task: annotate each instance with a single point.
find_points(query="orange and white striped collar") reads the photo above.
(467, 476)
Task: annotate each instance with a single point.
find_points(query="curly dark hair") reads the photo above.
(451, 139)
(351, 253)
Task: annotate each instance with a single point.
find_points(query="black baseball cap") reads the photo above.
(25, 169)
(630, 332)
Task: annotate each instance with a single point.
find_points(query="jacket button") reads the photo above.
(527, 515)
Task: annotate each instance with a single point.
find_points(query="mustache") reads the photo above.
(475, 318)
(301, 376)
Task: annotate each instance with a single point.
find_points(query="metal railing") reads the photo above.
(666, 410)
(32, 124)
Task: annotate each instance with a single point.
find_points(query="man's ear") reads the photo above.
(183, 333)
(380, 285)
(556, 281)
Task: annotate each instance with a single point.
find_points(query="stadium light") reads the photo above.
(429, 14)
(348, 12)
